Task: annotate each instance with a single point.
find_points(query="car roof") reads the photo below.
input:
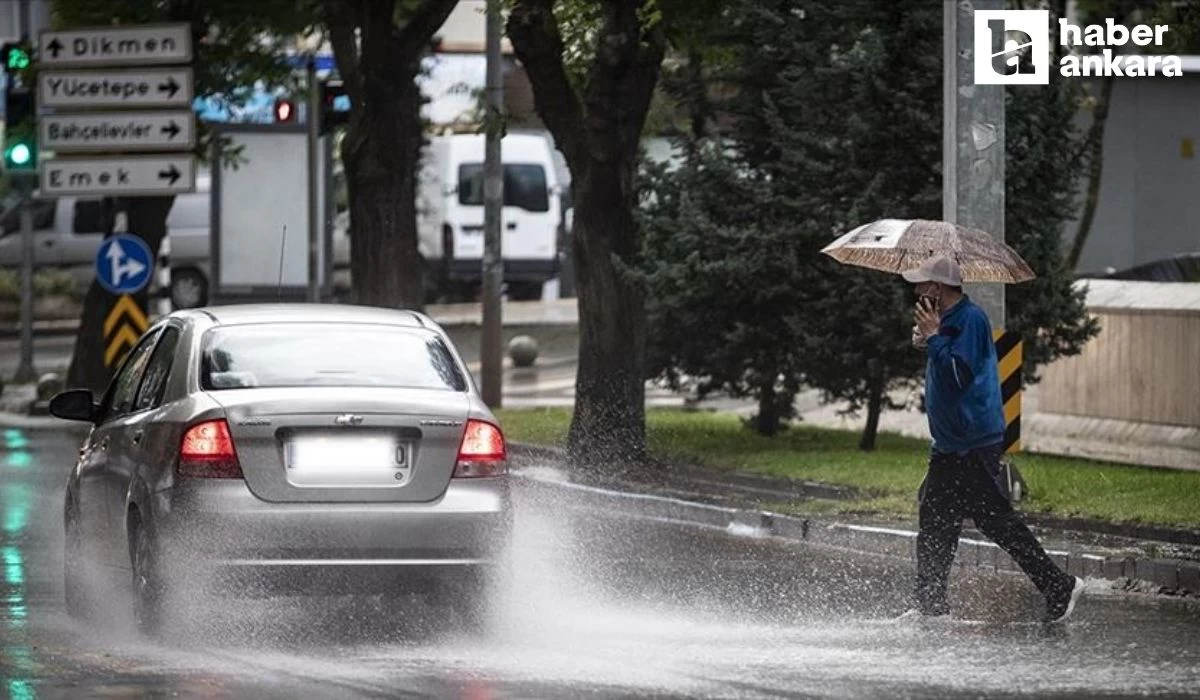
(243, 314)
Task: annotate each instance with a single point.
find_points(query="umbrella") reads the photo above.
(899, 245)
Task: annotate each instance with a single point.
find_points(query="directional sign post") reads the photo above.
(115, 106)
(101, 87)
(125, 131)
(119, 176)
(117, 46)
(96, 89)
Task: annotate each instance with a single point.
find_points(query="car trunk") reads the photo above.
(328, 444)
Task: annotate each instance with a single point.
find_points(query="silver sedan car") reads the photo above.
(308, 447)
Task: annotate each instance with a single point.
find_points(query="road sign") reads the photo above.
(123, 325)
(117, 46)
(119, 175)
(123, 264)
(118, 131)
(90, 89)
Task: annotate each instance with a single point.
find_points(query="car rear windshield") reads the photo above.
(326, 354)
(524, 186)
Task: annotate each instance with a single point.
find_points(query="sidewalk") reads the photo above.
(560, 312)
(1157, 560)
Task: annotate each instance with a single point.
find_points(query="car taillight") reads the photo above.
(207, 452)
(481, 452)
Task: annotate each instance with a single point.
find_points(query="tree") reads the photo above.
(843, 117)
(235, 44)
(378, 46)
(596, 115)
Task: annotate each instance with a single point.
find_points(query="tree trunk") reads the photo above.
(767, 420)
(874, 410)
(599, 130)
(147, 219)
(381, 153)
(378, 62)
(1095, 144)
(609, 422)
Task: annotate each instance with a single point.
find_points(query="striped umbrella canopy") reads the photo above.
(899, 245)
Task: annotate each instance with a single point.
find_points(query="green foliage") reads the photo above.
(46, 283)
(578, 22)
(725, 284)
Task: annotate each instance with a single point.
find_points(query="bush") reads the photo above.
(57, 283)
(46, 283)
(10, 286)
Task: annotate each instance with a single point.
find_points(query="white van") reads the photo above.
(450, 211)
(67, 231)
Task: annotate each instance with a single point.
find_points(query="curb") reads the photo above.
(1160, 576)
(36, 422)
(42, 328)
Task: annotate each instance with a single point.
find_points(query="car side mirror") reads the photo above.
(77, 404)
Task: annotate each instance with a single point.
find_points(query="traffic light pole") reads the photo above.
(25, 371)
(312, 124)
(24, 184)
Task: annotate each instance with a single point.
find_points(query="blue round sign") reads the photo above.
(124, 264)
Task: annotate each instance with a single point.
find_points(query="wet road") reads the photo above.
(600, 605)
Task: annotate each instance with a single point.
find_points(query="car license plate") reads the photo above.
(344, 461)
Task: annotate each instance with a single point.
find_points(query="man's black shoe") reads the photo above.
(1060, 606)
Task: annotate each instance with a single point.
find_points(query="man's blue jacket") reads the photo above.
(962, 386)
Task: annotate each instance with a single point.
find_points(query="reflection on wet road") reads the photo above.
(598, 605)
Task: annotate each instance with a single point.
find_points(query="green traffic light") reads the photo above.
(17, 58)
(20, 154)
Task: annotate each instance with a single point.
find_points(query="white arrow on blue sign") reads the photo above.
(123, 264)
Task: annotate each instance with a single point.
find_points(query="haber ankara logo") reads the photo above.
(1012, 47)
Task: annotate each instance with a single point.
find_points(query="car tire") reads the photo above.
(525, 291)
(189, 289)
(147, 586)
(75, 592)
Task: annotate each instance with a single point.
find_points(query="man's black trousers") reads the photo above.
(961, 486)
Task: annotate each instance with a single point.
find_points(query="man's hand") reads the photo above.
(927, 320)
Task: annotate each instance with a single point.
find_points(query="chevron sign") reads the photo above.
(124, 324)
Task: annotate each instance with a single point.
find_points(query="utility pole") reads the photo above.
(25, 371)
(493, 202)
(312, 124)
(973, 140)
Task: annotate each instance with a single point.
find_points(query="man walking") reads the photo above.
(966, 419)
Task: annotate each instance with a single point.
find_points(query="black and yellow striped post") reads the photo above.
(125, 322)
(1009, 359)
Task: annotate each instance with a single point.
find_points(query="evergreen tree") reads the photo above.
(725, 286)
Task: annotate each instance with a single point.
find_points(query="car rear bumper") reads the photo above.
(220, 530)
